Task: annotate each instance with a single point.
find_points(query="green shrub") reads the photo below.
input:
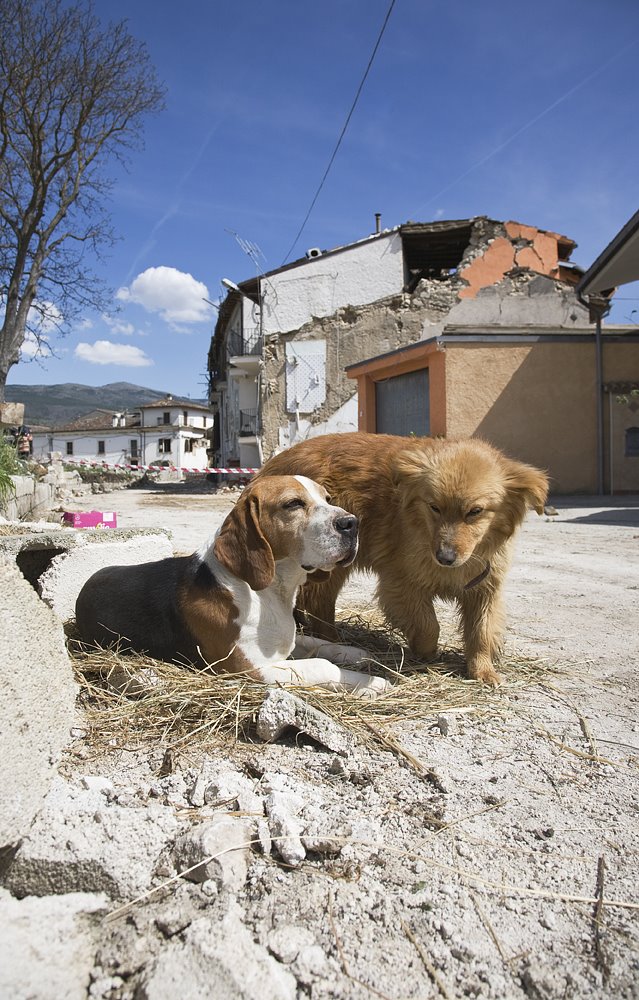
(9, 466)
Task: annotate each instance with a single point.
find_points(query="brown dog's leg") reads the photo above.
(482, 618)
(412, 612)
(317, 600)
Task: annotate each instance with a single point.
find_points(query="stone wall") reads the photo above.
(31, 499)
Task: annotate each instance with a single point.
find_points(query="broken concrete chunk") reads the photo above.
(47, 946)
(447, 724)
(285, 827)
(213, 786)
(218, 960)
(287, 940)
(281, 711)
(217, 849)
(81, 842)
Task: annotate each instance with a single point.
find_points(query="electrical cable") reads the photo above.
(343, 132)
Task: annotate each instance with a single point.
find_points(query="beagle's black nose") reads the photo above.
(347, 524)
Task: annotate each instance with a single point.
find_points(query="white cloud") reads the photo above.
(118, 326)
(177, 297)
(44, 317)
(103, 352)
(31, 347)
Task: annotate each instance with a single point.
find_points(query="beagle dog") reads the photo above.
(229, 606)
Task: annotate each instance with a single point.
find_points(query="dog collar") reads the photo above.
(478, 579)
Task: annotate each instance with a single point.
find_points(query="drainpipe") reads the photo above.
(598, 306)
(599, 378)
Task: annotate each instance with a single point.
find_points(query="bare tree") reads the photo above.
(73, 97)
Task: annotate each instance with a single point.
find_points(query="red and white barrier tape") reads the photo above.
(157, 468)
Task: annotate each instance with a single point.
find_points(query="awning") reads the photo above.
(617, 265)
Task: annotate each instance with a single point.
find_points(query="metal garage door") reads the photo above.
(402, 404)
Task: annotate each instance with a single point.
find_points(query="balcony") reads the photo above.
(248, 423)
(248, 342)
(245, 349)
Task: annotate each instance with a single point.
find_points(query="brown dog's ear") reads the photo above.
(529, 484)
(242, 548)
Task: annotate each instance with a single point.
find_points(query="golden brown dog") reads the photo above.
(437, 518)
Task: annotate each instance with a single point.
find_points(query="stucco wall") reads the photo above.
(535, 401)
(362, 274)
(620, 364)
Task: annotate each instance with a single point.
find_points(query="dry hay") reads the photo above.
(132, 701)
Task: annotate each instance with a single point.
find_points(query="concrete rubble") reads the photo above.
(470, 866)
(281, 712)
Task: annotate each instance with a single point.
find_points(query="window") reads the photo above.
(632, 442)
(101, 448)
(164, 446)
(133, 443)
(188, 444)
(69, 447)
(185, 417)
(166, 417)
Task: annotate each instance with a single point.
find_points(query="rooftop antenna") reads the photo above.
(250, 249)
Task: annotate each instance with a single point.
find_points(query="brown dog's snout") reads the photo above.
(446, 554)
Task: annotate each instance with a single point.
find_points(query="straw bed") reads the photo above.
(133, 701)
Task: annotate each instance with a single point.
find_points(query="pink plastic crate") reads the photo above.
(90, 519)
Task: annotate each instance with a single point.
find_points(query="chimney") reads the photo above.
(378, 221)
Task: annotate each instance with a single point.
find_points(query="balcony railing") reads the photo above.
(247, 342)
(248, 423)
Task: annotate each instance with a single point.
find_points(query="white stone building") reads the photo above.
(168, 432)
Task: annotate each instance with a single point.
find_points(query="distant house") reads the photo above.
(461, 327)
(168, 432)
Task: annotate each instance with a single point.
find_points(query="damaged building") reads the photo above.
(461, 327)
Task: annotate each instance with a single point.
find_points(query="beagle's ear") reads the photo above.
(242, 548)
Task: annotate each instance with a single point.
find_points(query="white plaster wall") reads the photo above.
(195, 418)
(343, 420)
(247, 391)
(117, 447)
(361, 274)
(86, 447)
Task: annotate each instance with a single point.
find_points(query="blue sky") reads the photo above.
(470, 108)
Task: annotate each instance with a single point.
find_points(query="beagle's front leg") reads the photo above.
(318, 672)
(336, 652)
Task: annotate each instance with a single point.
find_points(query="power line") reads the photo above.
(343, 132)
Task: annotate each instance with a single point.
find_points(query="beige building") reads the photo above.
(533, 395)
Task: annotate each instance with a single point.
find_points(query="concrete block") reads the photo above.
(67, 572)
(82, 841)
(37, 700)
(47, 946)
(28, 499)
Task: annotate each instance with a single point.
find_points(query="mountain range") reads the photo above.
(54, 405)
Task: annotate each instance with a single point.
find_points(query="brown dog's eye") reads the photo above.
(435, 509)
(295, 502)
(475, 511)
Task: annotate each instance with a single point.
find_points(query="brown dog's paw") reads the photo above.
(485, 673)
